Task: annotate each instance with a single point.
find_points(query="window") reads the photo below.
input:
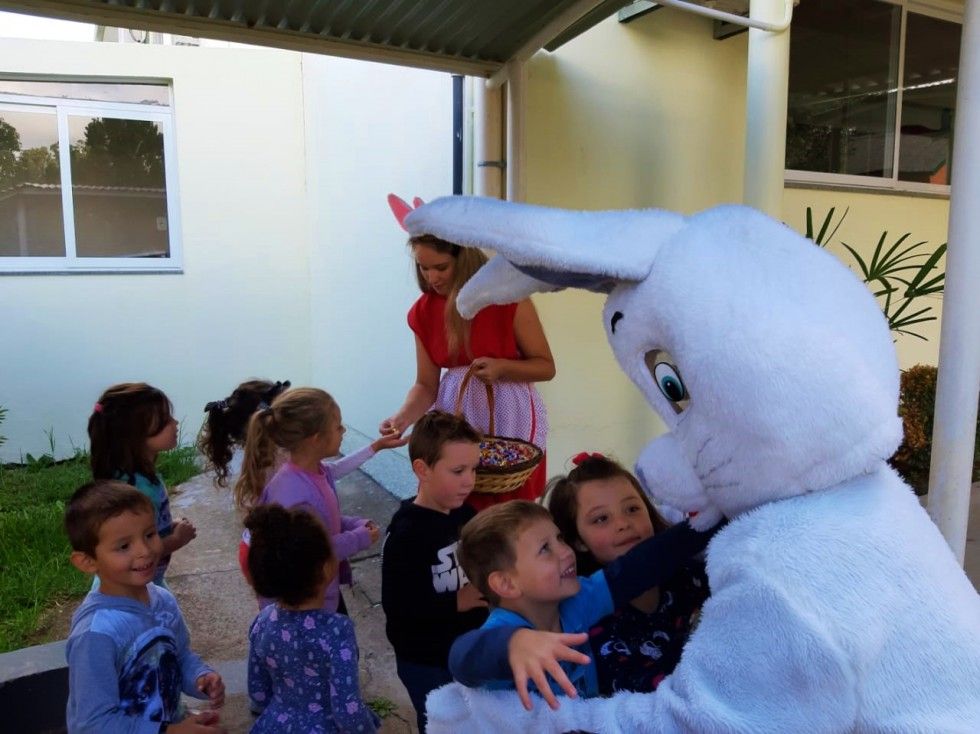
(872, 94)
(87, 180)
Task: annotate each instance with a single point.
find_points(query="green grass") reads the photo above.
(383, 707)
(34, 567)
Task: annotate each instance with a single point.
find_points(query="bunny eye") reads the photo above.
(668, 379)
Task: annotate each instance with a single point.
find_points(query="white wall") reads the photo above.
(241, 306)
(371, 129)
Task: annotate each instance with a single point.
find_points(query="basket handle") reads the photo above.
(458, 410)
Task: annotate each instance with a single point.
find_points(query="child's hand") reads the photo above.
(391, 440)
(184, 532)
(534, 655)
(375, 531)
(391, 427)
(469, 598)
(213, 687)
(205, 722)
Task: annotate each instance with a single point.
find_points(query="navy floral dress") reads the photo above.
(634, 650)
(302, 674)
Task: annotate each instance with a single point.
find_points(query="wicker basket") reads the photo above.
(500, 478)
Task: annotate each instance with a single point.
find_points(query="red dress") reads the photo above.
(519, 411)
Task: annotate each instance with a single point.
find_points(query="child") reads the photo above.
(602, 513)
(302, 660)
(227, 421)
(130, 425)
(515, 555)
(128, 651)
(426, 597)
(306, 423)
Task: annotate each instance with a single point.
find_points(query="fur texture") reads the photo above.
(837, 606)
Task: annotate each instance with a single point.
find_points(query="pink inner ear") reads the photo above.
(399, 208)
(417, 202)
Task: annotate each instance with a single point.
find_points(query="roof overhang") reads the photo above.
(473, 37)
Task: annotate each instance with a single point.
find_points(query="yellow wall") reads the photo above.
(652, 114)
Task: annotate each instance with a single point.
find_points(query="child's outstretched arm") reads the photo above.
(654, 561)
(345, 465)
(498, 653)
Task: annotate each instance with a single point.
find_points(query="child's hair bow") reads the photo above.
(585, 456)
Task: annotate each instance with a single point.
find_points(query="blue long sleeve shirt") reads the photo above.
(128, 663)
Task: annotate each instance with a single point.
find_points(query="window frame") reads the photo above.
(70, 262)
(942, 10)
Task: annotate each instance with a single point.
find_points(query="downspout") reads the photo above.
(955, 421)
(516, 117)
(488, 140)
(457, 134)
(766, 101)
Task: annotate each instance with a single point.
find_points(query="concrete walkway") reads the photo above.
(219, 606)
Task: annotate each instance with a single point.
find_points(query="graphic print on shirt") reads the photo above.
(448, 575)
(149, 686)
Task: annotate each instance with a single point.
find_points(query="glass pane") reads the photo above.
(155, 94)
(932, 56)
(843, 79)
(117, 182)
(31, 221)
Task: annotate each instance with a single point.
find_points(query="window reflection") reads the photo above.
(118, 187)
(31, 221)
(932, 55)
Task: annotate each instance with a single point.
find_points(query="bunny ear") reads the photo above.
(400, 209)
(417, 202)
(555, 246)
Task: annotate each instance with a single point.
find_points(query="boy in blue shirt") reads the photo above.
(514, 554)
(129, 653)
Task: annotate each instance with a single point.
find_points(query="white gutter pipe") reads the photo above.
(488, 140)
(955, 421)
(774, 24)
(516, 136)
(766, 101)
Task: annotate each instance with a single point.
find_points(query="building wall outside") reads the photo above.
(241, 305)
(372, 130)
(652, 114)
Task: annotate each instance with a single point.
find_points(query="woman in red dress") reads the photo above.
(505, 345)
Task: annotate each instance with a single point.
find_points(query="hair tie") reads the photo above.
(97, 408)
(585, 456)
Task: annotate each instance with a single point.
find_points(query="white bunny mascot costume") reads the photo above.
(836, 604)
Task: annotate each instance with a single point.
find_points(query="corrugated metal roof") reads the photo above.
(466, 36)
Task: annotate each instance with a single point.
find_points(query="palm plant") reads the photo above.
(900, 273)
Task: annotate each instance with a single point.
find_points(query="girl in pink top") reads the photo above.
(306, 424)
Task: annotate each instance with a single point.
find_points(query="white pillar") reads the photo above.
(765, 110)
(488, 140)
(955, 424)
(516, 114)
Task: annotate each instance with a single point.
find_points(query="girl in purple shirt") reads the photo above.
(305, 423)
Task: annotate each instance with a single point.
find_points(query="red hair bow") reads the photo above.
(585, 455)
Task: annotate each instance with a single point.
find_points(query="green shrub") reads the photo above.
(916, 404)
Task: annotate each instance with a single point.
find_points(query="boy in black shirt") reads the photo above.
(426, 597)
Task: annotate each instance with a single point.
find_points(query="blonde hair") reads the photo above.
(294, 416)
(467, 260)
